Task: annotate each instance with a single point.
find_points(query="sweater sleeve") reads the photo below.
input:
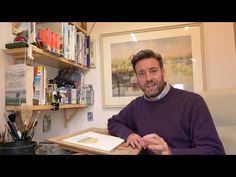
(122, 124)
(203, 134)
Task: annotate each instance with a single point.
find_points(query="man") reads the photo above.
(165, 120)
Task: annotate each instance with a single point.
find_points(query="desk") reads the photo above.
(82, 150)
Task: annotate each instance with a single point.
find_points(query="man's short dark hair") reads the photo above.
(145, 54)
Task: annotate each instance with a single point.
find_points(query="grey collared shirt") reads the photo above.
(162, 94)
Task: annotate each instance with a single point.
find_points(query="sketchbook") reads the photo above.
(96, 140)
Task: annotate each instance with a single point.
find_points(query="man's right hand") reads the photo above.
(134, 140)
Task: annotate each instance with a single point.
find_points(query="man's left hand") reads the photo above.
(156, 144)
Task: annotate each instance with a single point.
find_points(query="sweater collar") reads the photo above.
(161, 95)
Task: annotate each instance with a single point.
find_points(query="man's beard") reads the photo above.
(154, 92)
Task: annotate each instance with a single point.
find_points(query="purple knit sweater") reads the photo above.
(181, 118)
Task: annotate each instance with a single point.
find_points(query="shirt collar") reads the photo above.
(161, 95)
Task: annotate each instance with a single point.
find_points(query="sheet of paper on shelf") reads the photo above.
(96, 140)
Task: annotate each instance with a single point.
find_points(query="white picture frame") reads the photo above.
(108, 55)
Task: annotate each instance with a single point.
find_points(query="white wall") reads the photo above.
(220, 59)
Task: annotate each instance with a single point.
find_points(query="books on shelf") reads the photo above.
(59, 38)
(40, 84)
(76, 45)
(96, 140)
(18, 85)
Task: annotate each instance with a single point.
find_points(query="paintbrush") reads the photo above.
(12, 118)
(12, 129)
(32, 130)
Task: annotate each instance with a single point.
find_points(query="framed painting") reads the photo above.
(180, 47)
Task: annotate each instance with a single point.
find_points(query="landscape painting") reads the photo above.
(179, 46)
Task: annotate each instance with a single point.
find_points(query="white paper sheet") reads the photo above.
(96, 140)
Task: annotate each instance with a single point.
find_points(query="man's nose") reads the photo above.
(148, 76)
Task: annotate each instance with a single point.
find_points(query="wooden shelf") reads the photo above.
(33, 54)
(66, 107)
(48, 107)
(79, 27)
(44, 58)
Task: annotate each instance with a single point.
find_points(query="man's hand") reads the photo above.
(134, 140)
(156, 144)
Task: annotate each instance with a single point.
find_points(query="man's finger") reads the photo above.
(152, 139)
(137, 144)
(132, 144)
(158, 147)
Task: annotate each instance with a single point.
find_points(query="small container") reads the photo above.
(73, 96)
(49, 94)
(18, 148)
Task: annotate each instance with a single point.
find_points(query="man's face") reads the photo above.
(150, 77)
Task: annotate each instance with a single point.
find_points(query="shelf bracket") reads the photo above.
(68, 115)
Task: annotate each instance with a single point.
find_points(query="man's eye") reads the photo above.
(141, 74)
(153, 71)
